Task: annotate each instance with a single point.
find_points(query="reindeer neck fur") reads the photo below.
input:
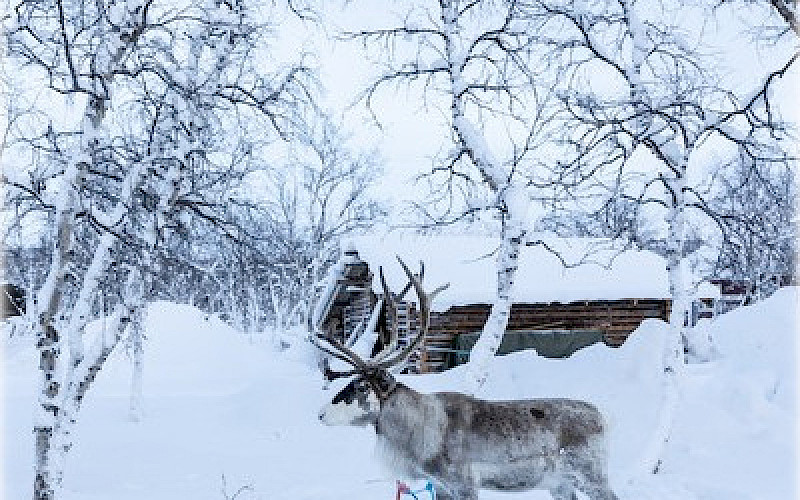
(411, 425)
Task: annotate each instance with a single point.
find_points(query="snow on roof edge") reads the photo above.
(467, 262)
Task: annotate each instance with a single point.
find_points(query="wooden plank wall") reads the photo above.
(352, 303)
(617, 318)
(406, 319)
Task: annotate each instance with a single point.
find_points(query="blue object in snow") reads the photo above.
(403, 489)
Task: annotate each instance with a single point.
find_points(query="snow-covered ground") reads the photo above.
(223, 412)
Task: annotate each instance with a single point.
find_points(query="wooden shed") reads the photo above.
(347, 302)
(557, 310)
(348, 298)
(553, 329)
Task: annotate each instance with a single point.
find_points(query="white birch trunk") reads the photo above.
(49, 345)
(76, 375)
(472, 140)
(49, 337)
(673, 355)
(640, 47)
(137, 309)
(142, 283)
(82, 378)
(60, 399)
(491, 336)
(137, 355)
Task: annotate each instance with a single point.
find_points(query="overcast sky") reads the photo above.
(413, 130)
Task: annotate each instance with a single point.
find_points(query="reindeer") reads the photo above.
(463, 443)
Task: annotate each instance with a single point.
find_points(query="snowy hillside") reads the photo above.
(219, 404)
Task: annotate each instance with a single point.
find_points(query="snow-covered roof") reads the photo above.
(468, 264)
(706, 290)
(323, 305)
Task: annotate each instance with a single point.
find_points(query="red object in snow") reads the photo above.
(402, 489)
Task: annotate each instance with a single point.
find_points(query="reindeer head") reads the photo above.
(359, 402)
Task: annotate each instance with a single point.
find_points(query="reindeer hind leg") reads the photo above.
(599, 491)
(563, 492)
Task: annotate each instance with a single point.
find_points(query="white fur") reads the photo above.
(346, 414)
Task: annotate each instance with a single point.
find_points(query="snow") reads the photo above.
(220, 403)
(706, 290)
(328, 293)
(468, 263)
(365, 342)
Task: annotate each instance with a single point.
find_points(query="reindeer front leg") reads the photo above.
(456, 492)
(456, 483)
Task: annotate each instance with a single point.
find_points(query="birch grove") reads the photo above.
(154, 126)
(165, 150)
(631, 82)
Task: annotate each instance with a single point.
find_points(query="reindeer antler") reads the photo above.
(424, 314)
(387, 357)
(337, 350)
(390, 302)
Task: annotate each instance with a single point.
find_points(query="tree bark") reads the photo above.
(50, 343)
(472, 141)
(137, 355)
(675, 343)
(494, 329)
(60, 399)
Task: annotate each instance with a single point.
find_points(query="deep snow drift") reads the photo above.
(218, 403)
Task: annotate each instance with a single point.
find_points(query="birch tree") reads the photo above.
(329, 200)
(639, 80)
(475, 62)
(149, 127)
(756, 203)
(312, 201)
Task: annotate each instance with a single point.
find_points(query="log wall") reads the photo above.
(615, 318)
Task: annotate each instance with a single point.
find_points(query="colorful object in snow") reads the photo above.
(403, 489)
